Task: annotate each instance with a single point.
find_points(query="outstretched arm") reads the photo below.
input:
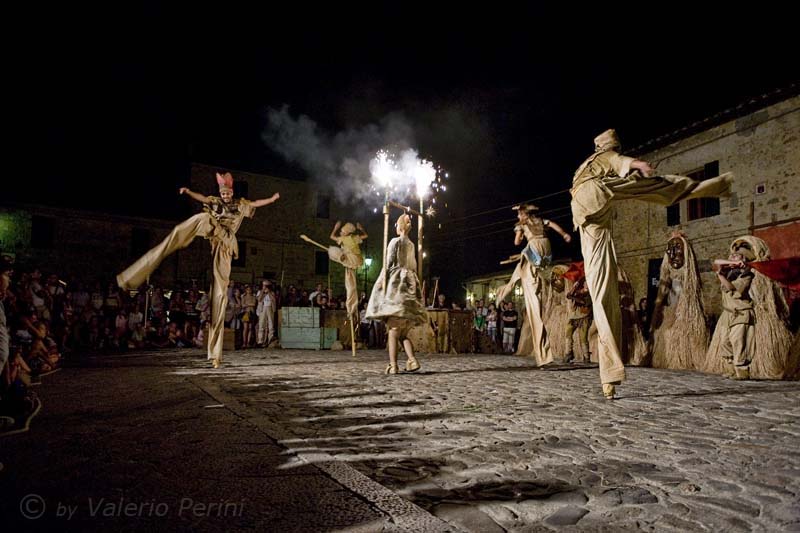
(195, 196)
(721, 264)
(567, 237)
(266, 201)
(643, 167)
(334, 236)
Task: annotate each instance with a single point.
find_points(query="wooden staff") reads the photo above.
(385, 237)
(352, 336)
(315, 243)
(511, 259)
(405, 208)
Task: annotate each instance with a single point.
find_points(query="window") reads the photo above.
(240, 189)
(674, 215)
(140, 241)
(323, 206)
(43, 230)
(242, 261)
(703, 207)
(321, 263)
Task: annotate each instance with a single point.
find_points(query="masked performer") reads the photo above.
(751, 339)
(580, 318)
(219, 222)
(396, 297)
(604, 178)
(678, 333)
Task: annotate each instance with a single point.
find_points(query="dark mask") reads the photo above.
(676, 253)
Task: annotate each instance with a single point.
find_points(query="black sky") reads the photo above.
(112, 111)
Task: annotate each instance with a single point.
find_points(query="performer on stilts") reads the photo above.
(397, 296)
(347, 254)
(220, 220)
(536, 256)
(604, 178)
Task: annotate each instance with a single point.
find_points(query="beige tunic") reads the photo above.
(604, 178)
(218, 223)
(349, 256)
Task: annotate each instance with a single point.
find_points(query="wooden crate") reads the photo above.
(338, 319)
(228, 339)
(301, 338)
(307, 338)
(299, 317)
(328, 337)
(460, 327)
(439, 324)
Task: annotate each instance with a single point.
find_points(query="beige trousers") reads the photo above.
(351, 263)
(532, 290)
(600, 258)
(180, 237)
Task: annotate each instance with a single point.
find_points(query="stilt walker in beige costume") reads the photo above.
(348, 254)
(604, 178)
(219, 222)
(536, 256)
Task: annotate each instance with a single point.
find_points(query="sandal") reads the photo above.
(412, 366)
(391, 369)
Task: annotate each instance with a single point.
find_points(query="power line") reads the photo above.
(510, 205)
(504, 221)
(446, 241)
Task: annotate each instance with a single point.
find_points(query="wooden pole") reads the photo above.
(420, 251)
(385, 237)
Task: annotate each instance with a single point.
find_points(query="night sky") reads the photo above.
(110, 114)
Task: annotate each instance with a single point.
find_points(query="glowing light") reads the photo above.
(424, 174)
(383, 168)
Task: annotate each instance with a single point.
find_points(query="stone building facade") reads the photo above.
(95, 246)
(762, 148)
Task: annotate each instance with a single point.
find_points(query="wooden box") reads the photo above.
(299, 317)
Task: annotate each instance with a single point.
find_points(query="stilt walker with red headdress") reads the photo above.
(220, 220)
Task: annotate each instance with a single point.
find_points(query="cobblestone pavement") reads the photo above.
(484, 442)
(491, 443)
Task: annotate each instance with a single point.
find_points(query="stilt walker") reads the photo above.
(220, 220)
(536, 256)
(348, 254)
(604, 178)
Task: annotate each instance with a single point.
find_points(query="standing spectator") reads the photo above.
(510, 317)
(312, 298)
(6, 268)
(478, 325)
(491, 323)
(266, 314)
(249, 318)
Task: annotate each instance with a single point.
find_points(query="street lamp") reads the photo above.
(367, 264)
